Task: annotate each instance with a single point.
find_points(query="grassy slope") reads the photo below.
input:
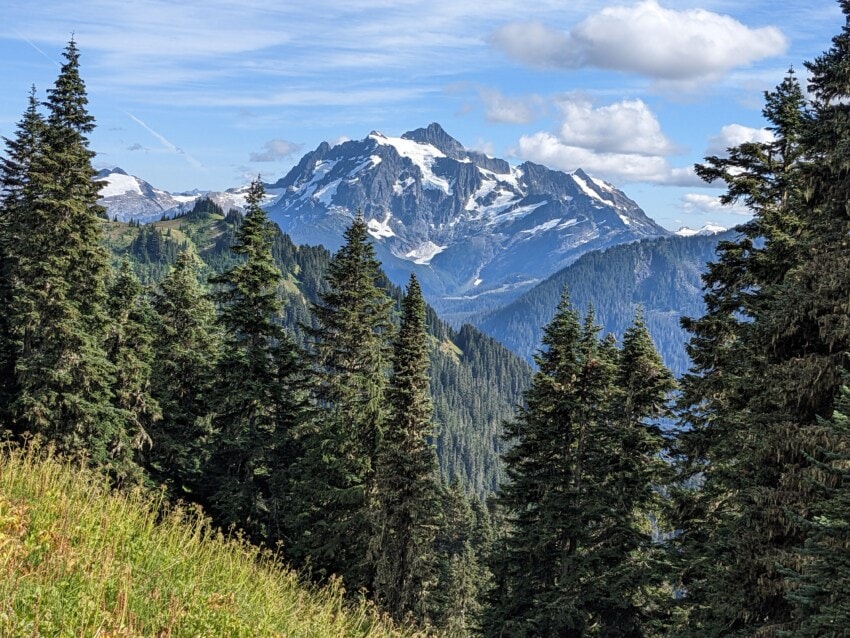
(78, 560)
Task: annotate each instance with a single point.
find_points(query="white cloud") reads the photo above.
(735, 135)
(699, 203)
(275, 150)
(622, 142)
(166, 143)
(645, 38)
(623, 127)
(546, 148)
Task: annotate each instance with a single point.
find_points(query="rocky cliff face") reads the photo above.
(477, 231)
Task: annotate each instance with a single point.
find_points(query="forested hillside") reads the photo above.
(475, 381)
(660, 275)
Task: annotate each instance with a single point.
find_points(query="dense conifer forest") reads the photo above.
(297, 397)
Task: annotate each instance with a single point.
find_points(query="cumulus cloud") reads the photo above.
(735, 135)
(275, 150)
(136, 147)
(700, 203)
(509, 110)
(623, 127)
(645, 38)
(622, 142)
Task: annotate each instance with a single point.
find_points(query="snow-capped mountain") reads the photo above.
(127, 197)
(708, 229)
(469, 225)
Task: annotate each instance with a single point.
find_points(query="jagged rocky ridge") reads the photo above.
(477, 231)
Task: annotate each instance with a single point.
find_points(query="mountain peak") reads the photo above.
(437, 137)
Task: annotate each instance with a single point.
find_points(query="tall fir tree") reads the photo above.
(462, 544)
(632, 586)
(259, 393)
(14, 199)
(819, 588)
(332, 519)
(128, 346)
(64, 379)
(748, 433)
(543, 569)
(407, 501)
(186, 346)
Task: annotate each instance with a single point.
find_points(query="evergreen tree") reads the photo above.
(129, 349)
(406, 472)
(462, 543)
(820, 589)
(331, 523)
(186, 346)
(14, 194)
(631, 585)
(258, 392)
(748, 431)
(63, 376)
(545, 566)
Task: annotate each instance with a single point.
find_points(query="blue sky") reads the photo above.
(205, 94)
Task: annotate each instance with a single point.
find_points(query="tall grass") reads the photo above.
(79, 560)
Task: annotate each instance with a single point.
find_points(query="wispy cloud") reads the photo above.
(166, 143)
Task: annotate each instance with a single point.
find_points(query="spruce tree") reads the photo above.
(819, 589)
(64, 379)
(129, 349)
(462, 544)
(259, 394)
(331, 524)
(186, 345)
(545, 566)
(14, 199)
(407, 503)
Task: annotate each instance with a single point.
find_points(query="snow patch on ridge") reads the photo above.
(422, 155)
(590, 192)
(380, 229)
(424, 253)
(117, 184)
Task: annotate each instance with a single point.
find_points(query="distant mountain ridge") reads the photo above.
(130, 198)
(663, 276)
(477, 231)
(468, 224)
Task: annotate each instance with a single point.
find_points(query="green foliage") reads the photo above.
(577, 558)
(186, 348)
(79, 560)
(336, 476)
(58, 273)
(128, 346)
(258, 396)
(407, 505)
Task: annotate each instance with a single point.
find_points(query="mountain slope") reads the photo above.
(662, 275)
(79, 560)
(476, 231)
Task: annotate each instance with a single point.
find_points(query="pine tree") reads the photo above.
(631, 588)
(258, 391)
(186, 346)
(545, 565)
(405, 475)
(819, 590)
(129, 349)
(462, 544)
(14, 199)
(331, 525)
(59, 270)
